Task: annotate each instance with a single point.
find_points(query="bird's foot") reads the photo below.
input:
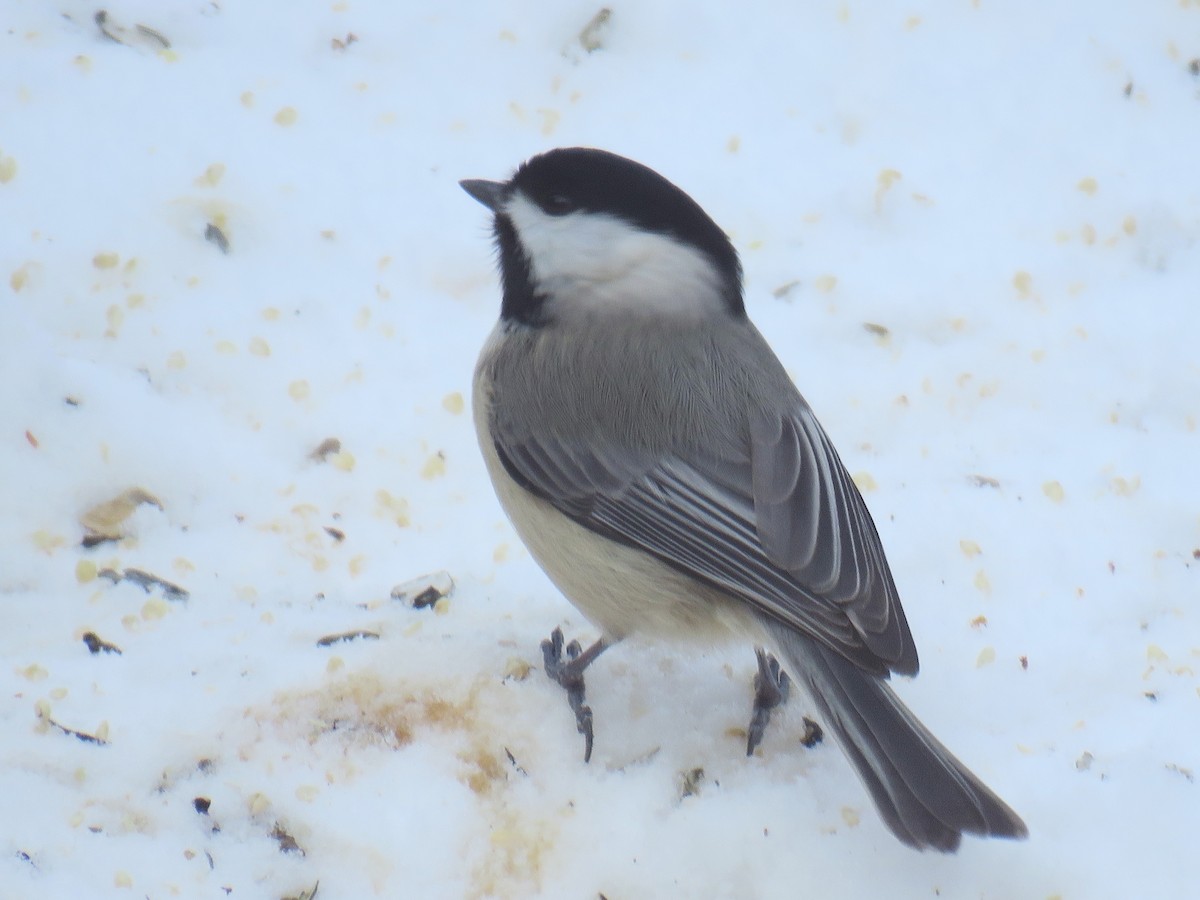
(771, 689)
(565, 665)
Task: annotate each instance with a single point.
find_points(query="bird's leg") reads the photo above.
(771, 688)
(566, 668)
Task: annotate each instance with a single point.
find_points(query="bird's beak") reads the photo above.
(490, 193)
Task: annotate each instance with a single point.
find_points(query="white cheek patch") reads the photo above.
(589, 262)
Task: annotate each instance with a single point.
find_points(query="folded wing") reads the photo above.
(782, 526)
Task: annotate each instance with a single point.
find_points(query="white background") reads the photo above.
(1010, 189)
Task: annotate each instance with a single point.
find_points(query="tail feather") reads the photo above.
(923, 793)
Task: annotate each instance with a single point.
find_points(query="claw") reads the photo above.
(552, 650)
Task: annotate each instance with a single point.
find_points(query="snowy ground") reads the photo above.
(1006, 192)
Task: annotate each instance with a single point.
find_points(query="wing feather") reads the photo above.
(784, 528)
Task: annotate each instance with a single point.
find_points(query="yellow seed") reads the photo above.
(517, 669)
(299, 390)
(393, 506)
(434, 467)
(356, 565)
(1088, 185)
(225, 348)
(1088, 233)
(155, 608)
(969, 548)
(1023, 282)
(106, 260)
(883, 184)
(1155, 653)
(850, 816)
(259, 347)
(982, 583)
(1129, 226)
(271, 314)
(212, 175)
(887, 177)
(286, 116)
(342, 460)
(115, 316)
(442, 606)
(35, 672)
(1125, 487)
(48, 542)
(135, 301)
(986, 657)
(1054, 491)
(825, 283)
(865, 482)
(335, 664)
(85, 571)
(247, 99)
(307, 793)
(123, 880)
(8, 169)
(177, 360)
(453, 403)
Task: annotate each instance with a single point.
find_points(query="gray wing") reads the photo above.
(783, 527)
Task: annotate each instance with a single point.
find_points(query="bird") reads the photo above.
(665, 472)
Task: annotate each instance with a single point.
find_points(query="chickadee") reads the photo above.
(664, 471)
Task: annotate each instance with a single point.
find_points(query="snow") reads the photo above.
(1009, 189)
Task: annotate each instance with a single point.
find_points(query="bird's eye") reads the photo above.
(559, 205)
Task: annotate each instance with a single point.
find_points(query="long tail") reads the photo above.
(924, 794)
